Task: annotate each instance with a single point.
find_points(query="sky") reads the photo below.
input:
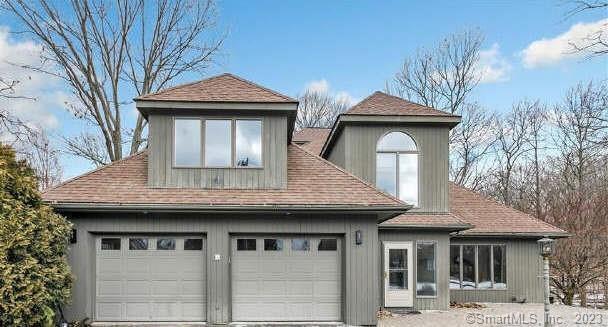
(351, 49)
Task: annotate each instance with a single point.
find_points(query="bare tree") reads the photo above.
(470, 145)
(110, 52)
(319, 109)
(442, 77)
(595, 43)
(537, 117)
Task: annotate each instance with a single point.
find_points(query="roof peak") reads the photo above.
(225, 87)
(383, 104)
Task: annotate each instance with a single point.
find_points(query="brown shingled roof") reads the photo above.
(380, 103)
(313, 136)
(311, 181)
(221, 88)
(423, 220)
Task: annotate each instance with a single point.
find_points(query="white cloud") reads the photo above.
(43, 91)
(493, 67)
(322, 86)
(550, 51)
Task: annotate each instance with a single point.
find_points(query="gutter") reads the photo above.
(514, 235)
(449, 228)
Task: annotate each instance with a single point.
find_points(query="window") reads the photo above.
(397, 269)
(426, 279)
(455, 266)
(138, 244)
(110, 243)
(273, 245)
(397, 166)
(187, 143)
(193, 244)
(218, 143)
(245, 244)
(165, 244)
(248, 143)
(328, 244)
(300, 245)
(478, 267)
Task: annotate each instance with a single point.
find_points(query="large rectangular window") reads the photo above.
(248, 143)
(478, 266)
(187, 143)
(408, 178)
(218, 143)
(426, 272)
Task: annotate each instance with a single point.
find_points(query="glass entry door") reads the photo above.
(398, 291)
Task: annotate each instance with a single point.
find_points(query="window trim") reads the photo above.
(435, 245)
(476, 288)
(418, 168)
(202, 140)
(202, 120)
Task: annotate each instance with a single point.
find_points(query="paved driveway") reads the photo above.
(494, 314)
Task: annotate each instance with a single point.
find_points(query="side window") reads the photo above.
(138, 244)
(165, 244)
(110, 243)
(245, 244)
(187, 142)
(193, 244)
(248, 145)
(273, 245)
(478, 266)
(328, 244)
(426, 276)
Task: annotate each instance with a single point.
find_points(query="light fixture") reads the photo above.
(358, 237)
(546, 246)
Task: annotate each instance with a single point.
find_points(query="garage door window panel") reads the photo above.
(110, 243)
(273, 244)
(138, 244)
(193, 244)
(246, 244)
(298, 244)
(328, 244)
(165, 244)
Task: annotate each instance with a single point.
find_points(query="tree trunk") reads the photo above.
(583, 296)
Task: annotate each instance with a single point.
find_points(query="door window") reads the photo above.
(397, 269)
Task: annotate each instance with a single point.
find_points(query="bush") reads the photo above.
(34, 273)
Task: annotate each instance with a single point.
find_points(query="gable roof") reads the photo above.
(221, 88)
(314, 138)
(483, 215)
(311, 182)
(380, 103)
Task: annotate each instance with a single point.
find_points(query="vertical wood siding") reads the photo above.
(273, 175)
(357, 144)
(359, 296)
(524, 274)
(441, 301)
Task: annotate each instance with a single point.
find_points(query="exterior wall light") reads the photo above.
(358, 237)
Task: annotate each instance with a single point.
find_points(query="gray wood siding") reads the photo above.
(359, 147)
(273, 175)
(524, 272)
(441, 301)
(360, 293)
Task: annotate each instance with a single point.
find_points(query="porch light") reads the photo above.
(546, 246)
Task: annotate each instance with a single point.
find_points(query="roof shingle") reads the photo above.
(313, 136)
(221, 88)
(312, 181)
(380, 103)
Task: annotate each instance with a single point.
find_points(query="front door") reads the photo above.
(398, 291)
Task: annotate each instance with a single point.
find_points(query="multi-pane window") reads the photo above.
(478, 266)
(271, 244)
(227, 143)
(426, 269)
(397, 166)
(246, 244)
(187, 143)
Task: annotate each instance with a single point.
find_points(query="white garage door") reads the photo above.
(150, 278)
(286, 278)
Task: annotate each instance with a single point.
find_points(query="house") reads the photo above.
(230, 216)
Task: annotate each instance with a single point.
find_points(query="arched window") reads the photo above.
(397, 166)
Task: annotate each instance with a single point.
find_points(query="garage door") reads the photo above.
(159, 278)
(286, 278)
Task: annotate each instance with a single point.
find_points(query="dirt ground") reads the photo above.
(503, 314)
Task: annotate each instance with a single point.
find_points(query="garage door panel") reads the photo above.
(150, 285)
(291, 284)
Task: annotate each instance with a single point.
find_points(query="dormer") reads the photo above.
(399, 146)
(223, 132)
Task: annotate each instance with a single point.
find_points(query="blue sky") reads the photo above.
(354, 47)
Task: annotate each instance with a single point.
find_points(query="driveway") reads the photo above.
(502, 314)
